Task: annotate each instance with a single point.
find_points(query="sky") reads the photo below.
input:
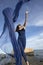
(34, 29)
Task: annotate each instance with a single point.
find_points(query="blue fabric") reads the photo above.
(16, 11)
(10, 17)
(14, 14)
(9, 23)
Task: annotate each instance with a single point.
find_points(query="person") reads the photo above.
(22, 37)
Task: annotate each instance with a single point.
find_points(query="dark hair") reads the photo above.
(17, 28)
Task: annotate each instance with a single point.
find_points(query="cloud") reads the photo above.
(35, 42)
(35, 23)
(39, 23)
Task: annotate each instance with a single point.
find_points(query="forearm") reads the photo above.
(26, 18)
(25, 23)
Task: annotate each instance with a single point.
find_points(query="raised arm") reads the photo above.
(26, 19)
(25, 23)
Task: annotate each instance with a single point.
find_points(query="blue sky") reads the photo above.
(34, 29)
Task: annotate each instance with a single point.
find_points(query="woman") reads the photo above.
(22, 38)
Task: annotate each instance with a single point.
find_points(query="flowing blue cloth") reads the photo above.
(10, 17)
(15, 13)
(10, 25)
